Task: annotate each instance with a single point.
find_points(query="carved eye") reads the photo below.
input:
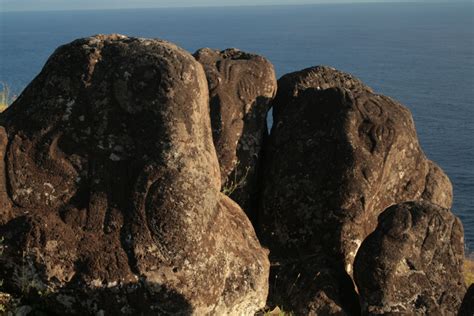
(372, 109)
(40, 175)
(365, 130)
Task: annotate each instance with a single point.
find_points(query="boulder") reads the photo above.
(241, 86)
(338, 155)
(412, 262)
(467, 306)
(110, 185)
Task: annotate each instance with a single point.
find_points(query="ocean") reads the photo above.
(421, 54)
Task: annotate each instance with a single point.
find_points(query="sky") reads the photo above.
(46, 5)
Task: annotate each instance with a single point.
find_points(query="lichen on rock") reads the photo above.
(110, 188)
(338, 155)
(412, 263)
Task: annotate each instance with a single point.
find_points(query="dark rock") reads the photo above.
(412, 263)
(241, 86)
(318, 77)
(110, 184)
(311, 285)
(5, 203)
(338, 155)
(467, 306)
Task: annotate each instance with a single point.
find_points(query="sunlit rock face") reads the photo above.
(110, 188)
(412, 263)
(338, 155)
(241, 87)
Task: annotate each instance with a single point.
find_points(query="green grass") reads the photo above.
(237, 182)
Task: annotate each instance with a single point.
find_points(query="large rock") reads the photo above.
(110, 189)
(338, 155)
(241, 86)
(412, 263)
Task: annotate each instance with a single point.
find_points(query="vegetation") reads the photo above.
(3, 296)
(469, 271)
(5, 99)
(25, 302)
(277, 311)
(237, 182)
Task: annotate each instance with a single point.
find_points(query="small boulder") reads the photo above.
(241, 86)
(412, 262)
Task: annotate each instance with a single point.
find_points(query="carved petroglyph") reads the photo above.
(241, 86)
(355, 153)
(110, 150)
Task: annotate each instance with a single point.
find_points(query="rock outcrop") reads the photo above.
(338, 155)
(412, 263)
(109, 189)
(114, 163)
(241, 86)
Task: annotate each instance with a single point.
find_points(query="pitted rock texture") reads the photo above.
(338, 155)
(312, 285)
(467, 306)
(109, 188)
(317, 77)
(412, 263)
(241, 86)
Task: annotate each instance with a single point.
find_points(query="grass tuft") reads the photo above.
(237, 182)
(277, 311)
(469, 271)
(5, 99)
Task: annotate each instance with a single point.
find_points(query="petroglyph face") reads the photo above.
(118, 118)
(112, 180)
(241, 86)
(338, 155)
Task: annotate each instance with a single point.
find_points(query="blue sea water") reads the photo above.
(418, 53)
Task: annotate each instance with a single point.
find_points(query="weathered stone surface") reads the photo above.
(241, 86)
(338, 155)
(467, 306)
(318, 77)
(412, 263)
(5, 204)
(312, 285)
(110, 188)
